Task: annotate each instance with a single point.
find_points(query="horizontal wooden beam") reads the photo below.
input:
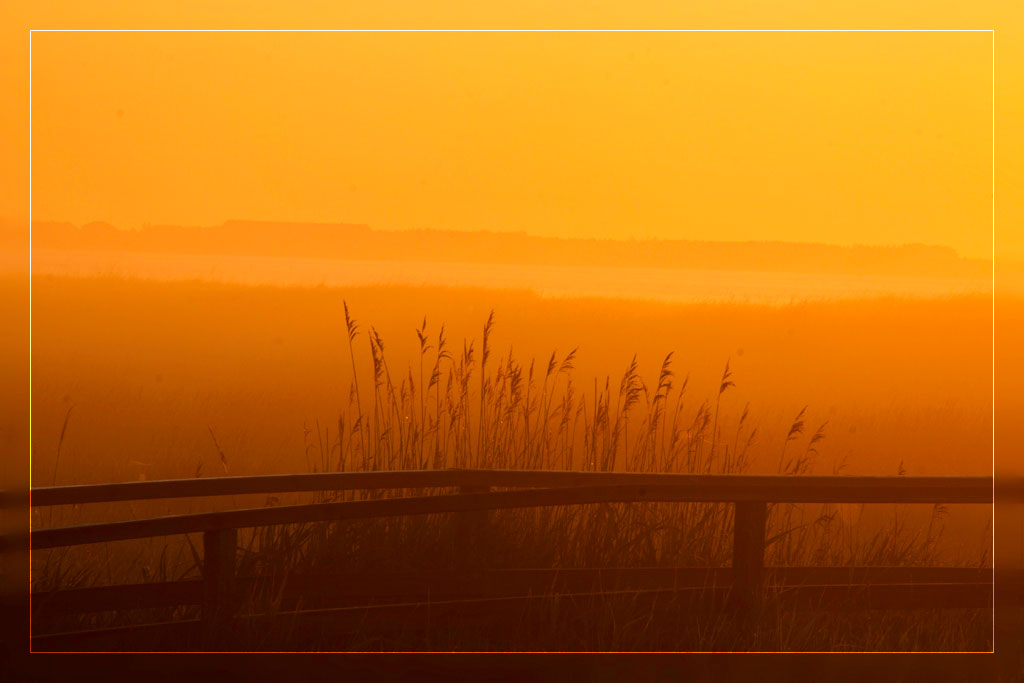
(424, 615)
(788, 489)
(367, 618)
(773, 488)
(166, 636)
(133, 596)
(339, 588)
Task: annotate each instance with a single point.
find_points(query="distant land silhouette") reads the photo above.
(360, 242)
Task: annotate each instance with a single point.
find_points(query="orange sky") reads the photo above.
(868, 138)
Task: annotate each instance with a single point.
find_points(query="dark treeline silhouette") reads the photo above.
(352, 241)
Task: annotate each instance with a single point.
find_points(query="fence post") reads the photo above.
(218, 582)
(748, 552)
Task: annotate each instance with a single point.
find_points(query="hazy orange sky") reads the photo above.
(849, 138)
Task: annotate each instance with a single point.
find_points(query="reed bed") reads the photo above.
(474, 406)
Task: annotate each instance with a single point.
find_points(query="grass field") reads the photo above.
(137, 379)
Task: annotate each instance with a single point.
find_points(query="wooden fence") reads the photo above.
(483, 490)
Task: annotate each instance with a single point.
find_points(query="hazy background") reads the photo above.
(836, 139)
(878, 139)
(846, 138)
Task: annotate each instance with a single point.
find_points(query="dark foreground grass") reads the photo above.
(467, 408)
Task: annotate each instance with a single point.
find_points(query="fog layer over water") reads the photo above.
(659, 284)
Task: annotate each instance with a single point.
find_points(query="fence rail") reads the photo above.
(744, 582)
(730, 487)
(334, 589)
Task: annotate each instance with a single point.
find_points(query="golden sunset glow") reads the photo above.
(516, 333)
(848, 138)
